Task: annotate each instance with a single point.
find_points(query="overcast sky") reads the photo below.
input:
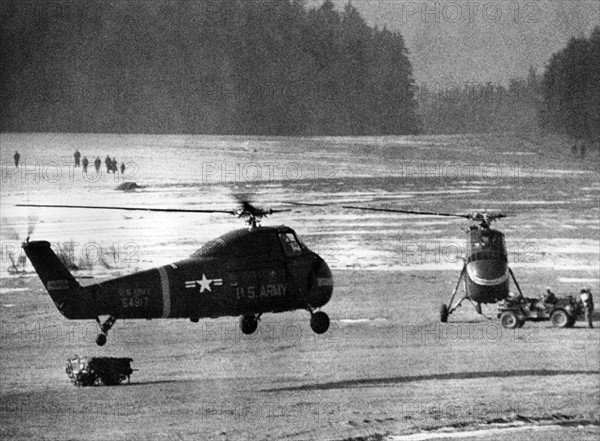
(467, 41)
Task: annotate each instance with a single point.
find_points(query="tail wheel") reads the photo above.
(101, 339)
(509, 320)
(443, 313)
(319, 322)
(248, 324)
(560, 318)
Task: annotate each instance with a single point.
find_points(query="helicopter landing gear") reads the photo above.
(104, 328)
(319, 322)
(249, 323)
(515, 280)
(445, 311)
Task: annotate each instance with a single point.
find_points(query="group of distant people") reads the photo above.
(111, 163)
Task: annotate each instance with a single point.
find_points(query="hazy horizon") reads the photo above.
(464, 41)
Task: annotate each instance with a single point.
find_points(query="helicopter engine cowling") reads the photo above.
(488, 272)
(487, 280)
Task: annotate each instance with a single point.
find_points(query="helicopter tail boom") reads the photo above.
(59, 282)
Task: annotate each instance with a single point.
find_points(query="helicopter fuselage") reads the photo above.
(244, 272)
(486, 267)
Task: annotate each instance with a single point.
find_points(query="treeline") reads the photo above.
(564, 99)
(481, 108)
(264, 67)
(571, 89)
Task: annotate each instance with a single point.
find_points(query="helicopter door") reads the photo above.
(259, 274)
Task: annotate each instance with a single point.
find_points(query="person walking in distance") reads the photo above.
(588, 305)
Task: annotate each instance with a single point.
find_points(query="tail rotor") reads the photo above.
(12, 247)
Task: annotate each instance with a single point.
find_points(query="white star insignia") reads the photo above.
(204, 284)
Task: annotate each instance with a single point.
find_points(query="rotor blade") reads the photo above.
(395, 210)
(95, 207)
(306, 204)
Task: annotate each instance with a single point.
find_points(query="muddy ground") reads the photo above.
(386, 367)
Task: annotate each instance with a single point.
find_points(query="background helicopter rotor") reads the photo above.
(477, 216)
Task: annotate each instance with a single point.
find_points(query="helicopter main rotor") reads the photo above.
(251, 214)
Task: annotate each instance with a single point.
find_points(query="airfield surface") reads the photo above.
(387, 368)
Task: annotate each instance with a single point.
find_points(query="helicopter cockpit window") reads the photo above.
(291, 247)
(485, 239)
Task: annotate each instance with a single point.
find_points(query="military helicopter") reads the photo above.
(246, 272)
(485, 270)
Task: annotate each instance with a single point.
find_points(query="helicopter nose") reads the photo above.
(488, 272)
(324, 289)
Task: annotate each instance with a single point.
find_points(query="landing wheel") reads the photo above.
(443, 313)
(478, 308)
(248, 324)
(104, 328)
(560, 318)
(510, 320)
(319, 322)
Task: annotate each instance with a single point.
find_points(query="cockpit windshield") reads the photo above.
(487, 240)
(291, 246)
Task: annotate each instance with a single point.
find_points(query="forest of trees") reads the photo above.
(481, 108)
(263, 67)
(564, 99)
(571, 89)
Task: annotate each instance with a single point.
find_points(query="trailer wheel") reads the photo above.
(443, 313)
(509, 320)
(560, 318)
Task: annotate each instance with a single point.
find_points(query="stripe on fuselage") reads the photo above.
(486, 282)
(166, 292)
